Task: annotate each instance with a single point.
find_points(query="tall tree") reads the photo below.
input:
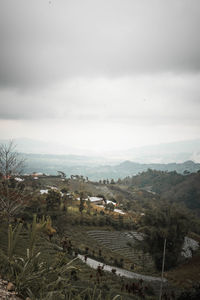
(12, 199)
(12, 195)
(82, 202)
(10, 160)
(167, 222)
(53, 200)
(110, 207)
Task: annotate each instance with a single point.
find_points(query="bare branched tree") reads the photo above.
(12, 200)
(11, 162)
(12, 195)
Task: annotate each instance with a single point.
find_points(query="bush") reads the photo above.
(193, 294)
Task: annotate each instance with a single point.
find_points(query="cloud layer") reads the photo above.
(46, 41)
(110, 72)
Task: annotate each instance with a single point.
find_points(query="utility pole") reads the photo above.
(163, 266)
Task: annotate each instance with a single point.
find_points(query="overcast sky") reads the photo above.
(100, 74)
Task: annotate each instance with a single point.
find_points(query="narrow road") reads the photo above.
(122, 272)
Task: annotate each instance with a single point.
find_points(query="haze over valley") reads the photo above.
(41, 157)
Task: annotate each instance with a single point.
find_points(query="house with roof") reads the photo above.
(96, 200)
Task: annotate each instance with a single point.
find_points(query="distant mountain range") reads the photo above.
(178, 156)
(161, 153)
(50, 164)
(165, 153)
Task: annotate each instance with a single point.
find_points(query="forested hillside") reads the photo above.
(182, 189)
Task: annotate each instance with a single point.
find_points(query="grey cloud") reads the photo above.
(39, 110)
(43, 43)
(16, 113)
(22, 107)
(136, 100)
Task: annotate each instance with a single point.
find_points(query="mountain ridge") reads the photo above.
(96, 171)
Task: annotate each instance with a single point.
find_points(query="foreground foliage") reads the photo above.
(38, 278)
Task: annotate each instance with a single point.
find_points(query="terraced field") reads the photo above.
(124, 243)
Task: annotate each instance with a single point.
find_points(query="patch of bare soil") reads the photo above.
(7, 291)
(187, 274)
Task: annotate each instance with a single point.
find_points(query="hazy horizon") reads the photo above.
(177, 152)
(100, 76)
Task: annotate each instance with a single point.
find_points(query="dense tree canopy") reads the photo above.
(167, 222)
(182, 189)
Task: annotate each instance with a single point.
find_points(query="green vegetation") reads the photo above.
(166, 222)
(42, 236)
(176, 188)
(39, 276)
(34, 258)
